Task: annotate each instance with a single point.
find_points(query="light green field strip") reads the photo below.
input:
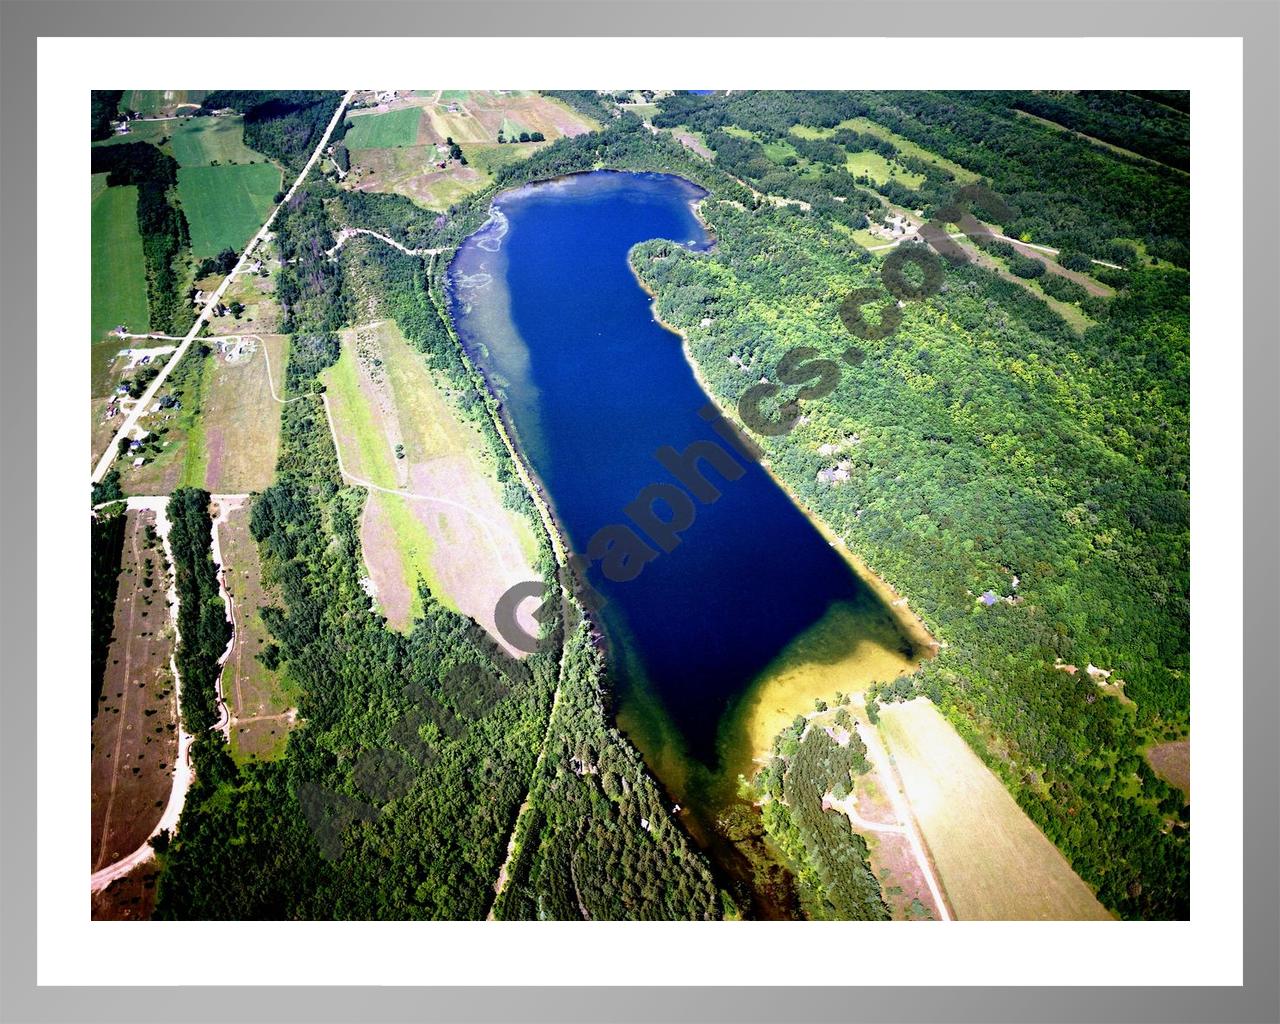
(356, 422)
(118, 288)
(225, 205)
(149, 102)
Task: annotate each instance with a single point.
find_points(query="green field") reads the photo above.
(226, 204)
(880, 169)
(200, 141)
(383, 131)
(511, 129)
(119, 276)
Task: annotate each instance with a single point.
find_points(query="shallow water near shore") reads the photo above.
(718, 643)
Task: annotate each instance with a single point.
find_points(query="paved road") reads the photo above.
(131, 418)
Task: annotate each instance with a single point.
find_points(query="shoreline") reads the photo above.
(909, 624)
(897, 604)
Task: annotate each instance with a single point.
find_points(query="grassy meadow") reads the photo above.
(385, 131)
(118, 286)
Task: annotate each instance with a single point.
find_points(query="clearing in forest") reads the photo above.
(443, 521)
(992, 860)
(1172, 762)
(904, 145)
(255, 693)
(134, 731)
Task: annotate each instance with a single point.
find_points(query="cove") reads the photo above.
(719, 642)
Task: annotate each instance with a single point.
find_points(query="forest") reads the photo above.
(1064, 191)
(106, 548)
(104, 104)
(834, 873)
(992, 448)
(597, 842)
(203, 629)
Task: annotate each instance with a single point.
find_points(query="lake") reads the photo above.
(717, 643)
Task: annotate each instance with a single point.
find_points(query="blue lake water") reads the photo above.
(546, 302)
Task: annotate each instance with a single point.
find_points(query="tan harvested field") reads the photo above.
(131, 898)
(261, 709)
(134, 733)
(992, 860)
(239, 434)
(438, 516)
(1172, 762)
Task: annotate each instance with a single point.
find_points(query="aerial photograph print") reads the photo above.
(639, 504)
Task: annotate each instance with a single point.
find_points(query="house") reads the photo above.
(989, 598)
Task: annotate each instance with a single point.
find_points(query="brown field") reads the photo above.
(261, 711)
(991, 859)
(901, 881)
(134, 733)
(131, 898)
(440, 517)
(1172, 762)
(240, 434)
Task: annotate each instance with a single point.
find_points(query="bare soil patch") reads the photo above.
(131, 898)
(1172, 762)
